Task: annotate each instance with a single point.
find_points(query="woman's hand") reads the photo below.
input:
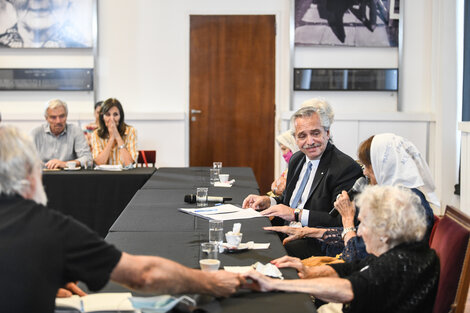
(288, 261)
(259, 282)
(293, 233)
(112, 130)
(279, 185)
(346, 208)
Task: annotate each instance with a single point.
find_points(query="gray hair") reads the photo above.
(56, 103)
(395, 212)
(18, 161)
(315, 106)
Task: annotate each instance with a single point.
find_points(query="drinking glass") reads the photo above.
(208, 257)
(214, 175)
(216, 231)
(201, 196)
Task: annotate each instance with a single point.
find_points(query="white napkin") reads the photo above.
(250, 245)
(226, 185)
(266, 269)
(257, 246)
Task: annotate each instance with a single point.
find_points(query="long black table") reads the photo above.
(152, 225)
(95, 198)
(151, 205)
(193, 177)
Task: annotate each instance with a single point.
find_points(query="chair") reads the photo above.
(451, 241)
(146, 157)
(434, 226)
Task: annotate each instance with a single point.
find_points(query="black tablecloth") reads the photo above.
(96, 198)
(157, 209)
(152, 225)
(183, 247)
(193, 177)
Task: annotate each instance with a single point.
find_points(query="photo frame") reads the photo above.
(359, 23)
(47, 24)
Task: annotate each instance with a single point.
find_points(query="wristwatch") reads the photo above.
(347, 230)
(122, 146)
(296, 214)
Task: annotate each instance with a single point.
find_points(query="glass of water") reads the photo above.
(201, 196)
(214, 175)
(216, 231)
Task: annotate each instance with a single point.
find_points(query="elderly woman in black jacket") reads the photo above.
(400, 274)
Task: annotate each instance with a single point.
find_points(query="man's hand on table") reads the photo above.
(226, 283)
(280, 210)
(256, 202)
(55, 164)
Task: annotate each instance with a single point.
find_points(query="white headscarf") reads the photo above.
(288, 140)
(397, 162)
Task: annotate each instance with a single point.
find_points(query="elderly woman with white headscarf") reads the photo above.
(388, 159)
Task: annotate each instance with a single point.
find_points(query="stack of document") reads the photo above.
(223, 212)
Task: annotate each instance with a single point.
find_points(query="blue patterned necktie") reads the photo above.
(295, 203)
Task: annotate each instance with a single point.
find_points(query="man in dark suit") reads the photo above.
(310, 193)
(316, 176)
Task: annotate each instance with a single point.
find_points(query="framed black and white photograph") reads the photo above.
(355, 23)
(46, 24)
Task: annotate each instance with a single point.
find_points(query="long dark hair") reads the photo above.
(107, 105)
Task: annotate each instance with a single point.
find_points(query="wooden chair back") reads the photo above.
(147, 157)
(451, 241)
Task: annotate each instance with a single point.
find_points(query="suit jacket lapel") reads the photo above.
(322, 169)
(293, 182)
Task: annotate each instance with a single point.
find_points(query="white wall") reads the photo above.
(464, 127)
(143, 60)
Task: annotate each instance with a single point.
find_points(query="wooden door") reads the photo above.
(232, 77)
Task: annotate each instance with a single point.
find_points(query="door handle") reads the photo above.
(193, 111)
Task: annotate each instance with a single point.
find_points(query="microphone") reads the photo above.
(192, 199)
(360, 183)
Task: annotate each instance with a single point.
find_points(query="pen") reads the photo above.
(205, 210)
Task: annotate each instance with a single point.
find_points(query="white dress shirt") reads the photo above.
(303, 199)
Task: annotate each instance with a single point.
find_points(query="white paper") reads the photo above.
(108, 167)
(236, 228)
(219, 184)
(223, 212)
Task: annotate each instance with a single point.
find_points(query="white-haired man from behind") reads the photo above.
(45, 249)
(59, 142)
